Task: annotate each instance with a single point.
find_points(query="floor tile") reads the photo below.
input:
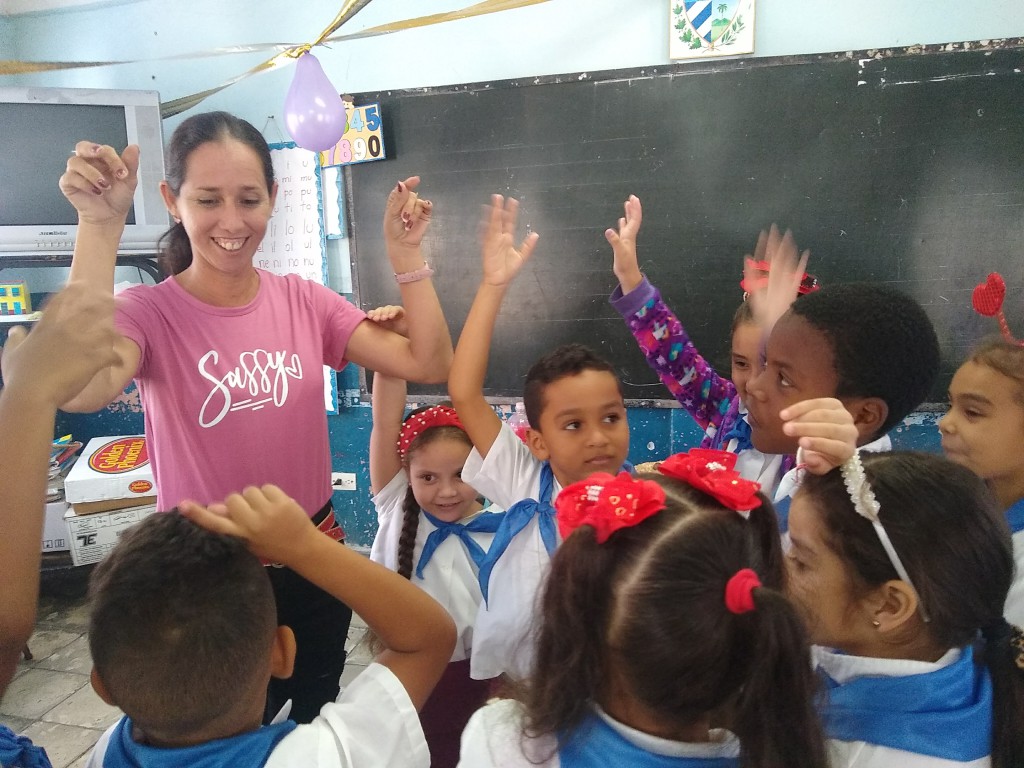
(73, 616)
(38, 691)
(82, 761)
(85, 709)
(16, 724)
(73, 657)
(46, 641)
(64, 744)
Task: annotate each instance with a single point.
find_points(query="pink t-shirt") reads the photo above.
(233, 396)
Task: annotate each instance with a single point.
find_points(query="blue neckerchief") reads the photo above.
(1015, 517)
(516, 518)
(595, 744)
(946, 713)
(19, 751)
(741, 433)
(782, 510)
(486, 522)
(250, 749)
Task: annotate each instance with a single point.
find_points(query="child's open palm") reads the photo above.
(623, 243)
(501, 259)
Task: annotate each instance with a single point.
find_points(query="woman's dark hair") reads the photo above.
(649, 604)
(410, 508)
(175, 248)
(956, 547)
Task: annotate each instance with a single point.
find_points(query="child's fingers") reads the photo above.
(612, 237)
(511, 214)
(214, 521)
(527, 246)
(804, 407)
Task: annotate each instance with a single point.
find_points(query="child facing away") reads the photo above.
(432, 530)
(184, 639)
(72, 341)
(662, 616)
(715, 403)
(578, 426)
(982, 431)
(871, 347)
(900, 564)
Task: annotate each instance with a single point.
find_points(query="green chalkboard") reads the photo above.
(904, 166)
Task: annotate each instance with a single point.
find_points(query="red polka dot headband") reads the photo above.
(417, 424)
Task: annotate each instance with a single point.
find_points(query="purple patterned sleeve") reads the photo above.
(704, 394)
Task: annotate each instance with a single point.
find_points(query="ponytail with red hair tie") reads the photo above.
(739, 591)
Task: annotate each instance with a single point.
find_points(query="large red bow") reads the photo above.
(713, 473)
(607, 504)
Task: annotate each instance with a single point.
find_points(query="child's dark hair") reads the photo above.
(956, 547)
(650, 604)
(182, 625)
(1002, 356)
(566, 360)
(410, 507)
(175, 248)
(882, 342)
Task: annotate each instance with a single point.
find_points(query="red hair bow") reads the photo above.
(808, 282)
(713, 473)
(607, 504)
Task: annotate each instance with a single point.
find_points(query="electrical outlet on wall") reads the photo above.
(343, 481)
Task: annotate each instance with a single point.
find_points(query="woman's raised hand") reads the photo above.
(99, 183)
(406, 215)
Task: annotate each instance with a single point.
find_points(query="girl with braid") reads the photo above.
(433, 530)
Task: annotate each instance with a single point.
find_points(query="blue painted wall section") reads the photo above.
(654, 433)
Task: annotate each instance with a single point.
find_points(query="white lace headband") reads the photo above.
(866, 505)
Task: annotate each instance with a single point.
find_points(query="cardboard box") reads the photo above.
(92, 507)
(93, 536)
(55, 530)
(111, 468)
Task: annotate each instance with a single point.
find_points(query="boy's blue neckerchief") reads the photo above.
(595, 744)
(516, 519)
(19, 751)
(1015, 516)
(946, 713)
(486, 522)
(740, 432)
(250, 749)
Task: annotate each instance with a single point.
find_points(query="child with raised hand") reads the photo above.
(433, 530)
(715, 403)
(982, 430)
(184, 639)
(578, 426)
(868, 346)
(662, 615)
(71, 342)
(900, 564)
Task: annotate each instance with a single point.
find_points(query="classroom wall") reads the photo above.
(178, 49)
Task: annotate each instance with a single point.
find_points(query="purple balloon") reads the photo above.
(313, 110)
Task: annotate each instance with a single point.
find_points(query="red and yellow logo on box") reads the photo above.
(121, 455)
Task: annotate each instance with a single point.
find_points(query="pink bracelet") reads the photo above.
(411, 277)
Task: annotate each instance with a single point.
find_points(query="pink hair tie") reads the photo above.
(417, 424)
(739, 591)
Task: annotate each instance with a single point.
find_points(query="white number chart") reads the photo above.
(294, 242)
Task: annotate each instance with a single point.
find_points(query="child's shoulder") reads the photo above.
(508, 473)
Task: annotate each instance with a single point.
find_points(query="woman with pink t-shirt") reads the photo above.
(228, 357)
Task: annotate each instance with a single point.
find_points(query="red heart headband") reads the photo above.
(987, 299)
(418, 423)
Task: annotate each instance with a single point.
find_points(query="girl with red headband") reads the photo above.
(433, 530)
(661, 619)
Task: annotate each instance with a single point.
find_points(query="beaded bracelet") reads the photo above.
(411, 277)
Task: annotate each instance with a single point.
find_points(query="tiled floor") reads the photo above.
(50, 699)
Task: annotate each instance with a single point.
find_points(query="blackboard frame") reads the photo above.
(929, 141)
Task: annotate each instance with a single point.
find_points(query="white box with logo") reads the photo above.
(111, 468)
(91, 537)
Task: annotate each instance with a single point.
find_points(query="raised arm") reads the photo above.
(659, 333)
(100, 184)
(388, 405)
(417, 633)
(41, 370)
(501, 263)
(427, 353)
